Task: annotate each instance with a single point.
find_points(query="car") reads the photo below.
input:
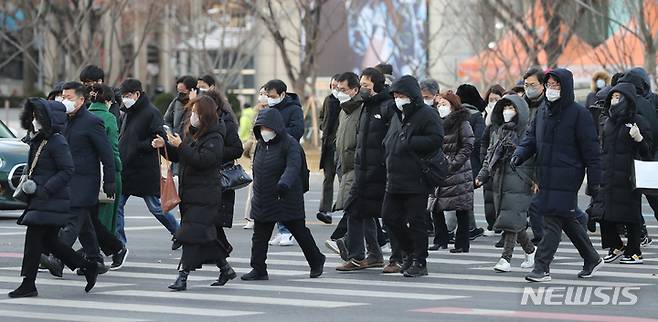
(13, 161)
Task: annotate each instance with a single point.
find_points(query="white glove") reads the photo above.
(635, 133)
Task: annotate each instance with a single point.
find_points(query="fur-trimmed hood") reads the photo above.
(50, 114)
(600, 75)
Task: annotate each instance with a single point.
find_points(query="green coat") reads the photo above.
(107, 211)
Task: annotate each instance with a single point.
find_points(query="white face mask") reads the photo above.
(508, 115)
(552, 95)
(37, 126)
(444, 110)
(401, 102)
(274, 101)
(429, 102)
(614, 101)
(203, 90)
(59, 98)
(267, 135)
(194, 120)
(70, 105)
(262, 99)
(490, 107)
(342, 97)
(335, 92)
(128, 102)
(600, 83)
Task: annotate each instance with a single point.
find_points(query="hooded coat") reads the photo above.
(367, 193)
(50, 204)
(346, 146)
(90, 147)
(512, 190)
(415, 131)
(141, 169)
(277, 188)
(563, 139)
(292, 114)
(591, 96)
(199, 186)
(621, 203)
(645, 101)
(232, 151)
(457, 191)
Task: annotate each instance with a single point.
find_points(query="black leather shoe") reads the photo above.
(26, 289)
(417, 269)
(54, 265)
(318, 268)
(175, 244)
(226, 273)
(324, 217)
(181, 282)
(406, 264)
(91, 274)
(102, 269)
(434, 247)
(458, 250)
(255, 276)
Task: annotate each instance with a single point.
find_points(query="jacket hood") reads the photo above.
(638, 77)
(470, 95)
(600, 75)
(566, 86)
(602, 94)
(408, 86)
(522, 111)
(50, 114)
(628, 91)
(271, 118)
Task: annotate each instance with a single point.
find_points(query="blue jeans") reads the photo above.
(153, 204)
(282, 228)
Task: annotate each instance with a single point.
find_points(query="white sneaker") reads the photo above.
(503, 266)
(529, 261)
(248, 225)
(286, 240)
(386, 249)
(276, 241)
(332, 246)
(489, 233)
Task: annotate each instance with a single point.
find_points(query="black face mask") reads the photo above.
(183, 97)
(618, 110)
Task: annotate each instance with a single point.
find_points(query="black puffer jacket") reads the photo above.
(414, 132)
(367, 192)
(277, 188)
(50, 205)
(292, 114)
(232, 151)
(141, 170)
(200, 187)
(457, 192)
(645, 100)
(621, 202)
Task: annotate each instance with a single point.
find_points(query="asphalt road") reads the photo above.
(460, 287)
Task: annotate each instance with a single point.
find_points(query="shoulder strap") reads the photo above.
(36, 157)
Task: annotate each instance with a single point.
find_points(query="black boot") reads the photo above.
(175, 244)
(27, 289)
(181, 282)
(226, 273)
(91, 274)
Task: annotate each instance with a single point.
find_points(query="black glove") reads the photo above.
(110, 189)
(514, 162)
(281, 190)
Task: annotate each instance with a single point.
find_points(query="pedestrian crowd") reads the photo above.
(408, 158)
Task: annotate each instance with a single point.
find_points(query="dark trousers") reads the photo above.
(327, 198)
(341, 228)
(653, 202)
(107, 241)
(262, 234)
(404, 216)
(80, 227)
(610, 237)
(40, 239)
(358, 229)
(553, 227)
(463, 229)
(489, 210)
(536, 224)
(396, 251)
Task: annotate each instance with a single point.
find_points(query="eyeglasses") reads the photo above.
(553, 85)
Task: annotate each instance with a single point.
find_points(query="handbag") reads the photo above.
(169, 198)
(102, 197)
(234, 177)
(27, 186)
(434, 169)
(644, 177)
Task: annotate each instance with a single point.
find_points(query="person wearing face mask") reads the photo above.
(429, 88)
(563, 139)
(456, 194)
(328, 125)
(90, 149)
(533, 84)
(200, 155)
(290, 107)
(493, 95)
(626, 137)
(176, 113)
(93, 75)
(206, 83)
(600, 80)
(415, 131)
(512, 190)
(278, 194)
(142, 122)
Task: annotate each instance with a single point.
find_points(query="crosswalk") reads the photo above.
(138, 291)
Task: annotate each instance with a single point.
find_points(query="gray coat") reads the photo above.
(173, 117)
(512, 191)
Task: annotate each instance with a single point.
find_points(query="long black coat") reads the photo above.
(457, 191)
(645, 101)
(563, 138)
(621, 202)
(89, 144)
(477, 125)
(200, 187)
(232, 151)
(50, 205)
(416, 134)
(277, 164)
(367, 192)
(329, 126)
(141, 167)
(292, 114)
